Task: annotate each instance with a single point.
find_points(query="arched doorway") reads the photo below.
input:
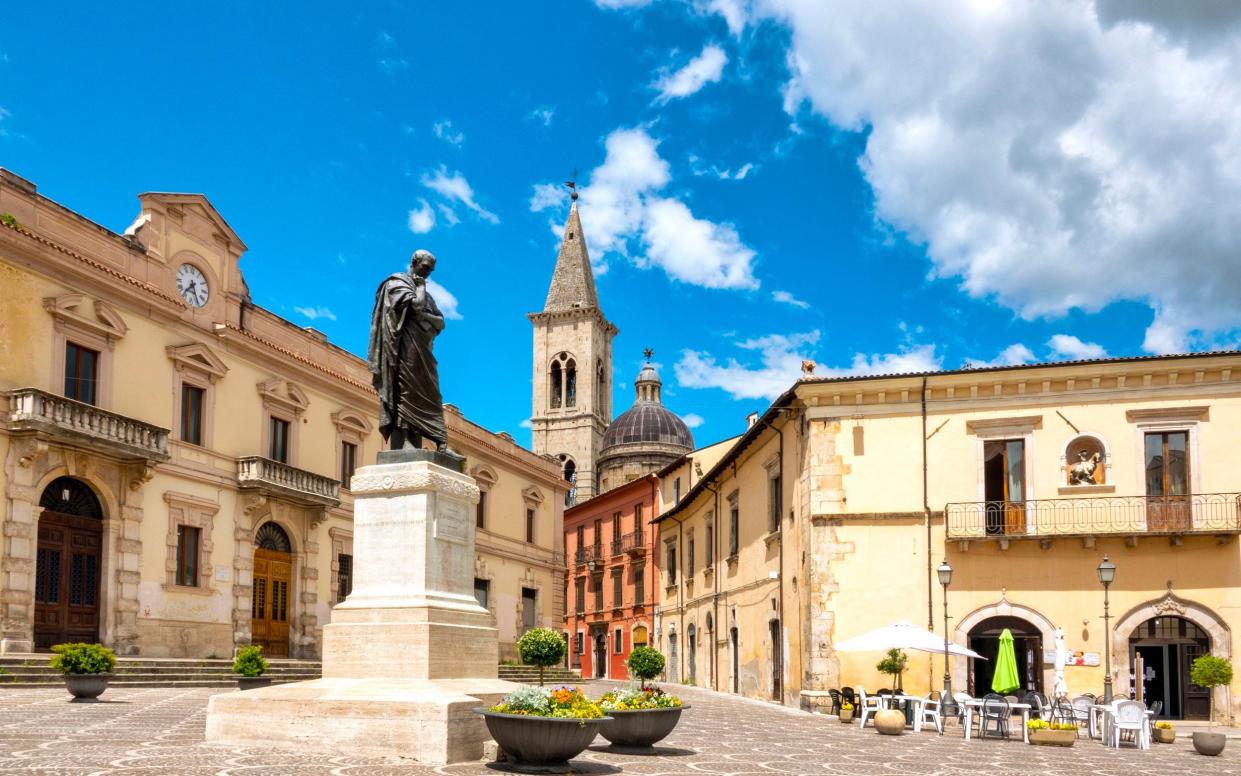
(984, 638)
(1168, 647)
(673, 672)
(601, 655)
(269, 604)
(67, 564)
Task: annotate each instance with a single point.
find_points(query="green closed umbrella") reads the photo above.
(1005, 680)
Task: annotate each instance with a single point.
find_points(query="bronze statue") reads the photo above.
(404, 325)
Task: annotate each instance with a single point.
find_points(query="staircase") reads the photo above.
(33, 671)
(530, 675)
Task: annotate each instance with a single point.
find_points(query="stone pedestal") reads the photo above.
(410, 654)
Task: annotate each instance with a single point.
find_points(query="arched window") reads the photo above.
(556, 382)
(68, 496)
(570, 475)
(570, 384)
(271, 536)
(601, 394)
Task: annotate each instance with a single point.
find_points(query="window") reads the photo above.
(618, 642)
(637, 517)
(530, 526)
(676, 490)
(581, 537)
(598, 583)
(672, 563)
(570, 384)
(639, 636)
(579, 597)
(618, 595)
(556, 379)
(344, 576)
(689, 556)
(348, 463)
(616, 526)
(279, 440)
(1004, 473)
(734, 525)
(81, 373)
(192, 413)
(639, 586)
(710, 544)
(579, 643)
(187, 556)
(1167, 481)
(598, 537)
(480, 510)
(773, 503)
(482, 592)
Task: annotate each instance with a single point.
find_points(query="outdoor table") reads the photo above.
(975, 705)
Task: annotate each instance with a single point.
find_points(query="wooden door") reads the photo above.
(67, 576)
(1167, 482)
(1004, 486)
(1196, 703)
(269, 606)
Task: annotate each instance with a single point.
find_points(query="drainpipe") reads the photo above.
(926, 508)
(715, 578)
(780, 528)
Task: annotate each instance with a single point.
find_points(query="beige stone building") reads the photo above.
(176, 459)
(829, 516)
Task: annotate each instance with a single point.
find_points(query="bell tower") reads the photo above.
(572, 366)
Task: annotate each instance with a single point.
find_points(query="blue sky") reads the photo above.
(877, 189)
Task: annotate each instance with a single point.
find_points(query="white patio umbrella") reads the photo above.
(1061, 688)
(903, 635)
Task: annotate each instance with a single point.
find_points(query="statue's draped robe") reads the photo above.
(403, 369)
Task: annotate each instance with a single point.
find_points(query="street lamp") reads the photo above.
(1107, 573)
(946, 704)
(590, 565)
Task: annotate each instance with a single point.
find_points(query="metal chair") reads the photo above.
(1037, 705)
(1083, 713)
(1156, 709)
(928, 711)
(847, 694)
(835, 701)
(995, 710)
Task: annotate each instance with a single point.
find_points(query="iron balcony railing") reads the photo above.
(1200, 513)
(257, 472)
(86, 425)
(633, 542)
(587, 554)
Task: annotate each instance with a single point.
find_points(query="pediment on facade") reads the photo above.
(198, 358)
(351, 420)
(283, 394)
(485, 475)
(186, 208)
(532, 495)
(94, 316)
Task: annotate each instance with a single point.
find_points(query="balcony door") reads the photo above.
(269, 607)
(67, 578)
(1167, 482)
(1004, 478)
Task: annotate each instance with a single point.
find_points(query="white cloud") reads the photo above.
(780, 360)
(693, 420)
(543, 114)
(448, 214)
(4, 114)
(392, 65)
(1013, 355)
(445, 131)
(616, 4)
(547, 195)
(444, 300)
(315, 313)
(453, 186)
(1049, 158)
(706, 68)
(623, 212)
(738, 174)
(787, 298)
(422, 218)
(1070, 347)
(527, 423)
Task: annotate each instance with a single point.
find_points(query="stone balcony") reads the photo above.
(1087, 517)
(85, 426)
(280, 480)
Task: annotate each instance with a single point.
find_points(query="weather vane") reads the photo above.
(572, 184)
(648, 353)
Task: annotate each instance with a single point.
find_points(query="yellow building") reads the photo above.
(176, 459)
(829, 516)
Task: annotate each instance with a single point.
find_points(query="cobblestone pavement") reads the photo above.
(160, 731)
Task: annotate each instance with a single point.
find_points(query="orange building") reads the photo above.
(611, 595)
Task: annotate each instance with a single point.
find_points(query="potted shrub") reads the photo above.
(542, 647)
(1164, 732)
(1044, 733)
(891, 722)
(846, 711)
(250, 665)
(541, 729)
(640, 716)
(645, 663)
(86, 667)
(1210, 672)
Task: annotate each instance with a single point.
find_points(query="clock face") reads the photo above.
(192, 285)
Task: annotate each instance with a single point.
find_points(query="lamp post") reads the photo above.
(1107, 573)
(946, 704)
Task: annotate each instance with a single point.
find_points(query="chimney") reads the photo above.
(751, 419)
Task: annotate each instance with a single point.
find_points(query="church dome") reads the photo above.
(644, 438)
(648, 421)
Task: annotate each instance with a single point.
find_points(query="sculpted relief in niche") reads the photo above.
(1085, 461)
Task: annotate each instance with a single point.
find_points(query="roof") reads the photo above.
(648, 421)
(573, 282)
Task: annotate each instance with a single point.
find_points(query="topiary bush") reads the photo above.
(645, 663)
(81, 658)
(893, 664)
(250, 661)
(1210, 672)
(542, 647)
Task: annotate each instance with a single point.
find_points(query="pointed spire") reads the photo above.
(573, 282)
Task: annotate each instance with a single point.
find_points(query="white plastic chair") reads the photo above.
(928, 711)
(962, 712)
(867, 705)
(1130, 717)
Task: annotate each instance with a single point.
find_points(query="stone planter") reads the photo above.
(1164, 735)
(1046, 737)
(641, 728)
(890, 722)
(252, 682)
(541, 744)
(1209, 744)
(846, 716)
(86, 688)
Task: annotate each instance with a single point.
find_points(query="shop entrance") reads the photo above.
(984, 638)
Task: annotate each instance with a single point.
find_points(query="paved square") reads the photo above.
(160, 731)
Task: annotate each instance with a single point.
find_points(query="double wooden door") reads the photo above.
(67, 572)
(269, 606)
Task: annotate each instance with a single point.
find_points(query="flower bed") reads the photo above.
(635, 699)
(640, 716)
(558, 703)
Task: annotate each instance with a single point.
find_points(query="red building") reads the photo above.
(610, 601)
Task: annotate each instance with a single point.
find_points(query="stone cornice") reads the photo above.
(394, 479)
(580, 313)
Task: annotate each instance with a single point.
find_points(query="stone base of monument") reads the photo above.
(410, 654)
